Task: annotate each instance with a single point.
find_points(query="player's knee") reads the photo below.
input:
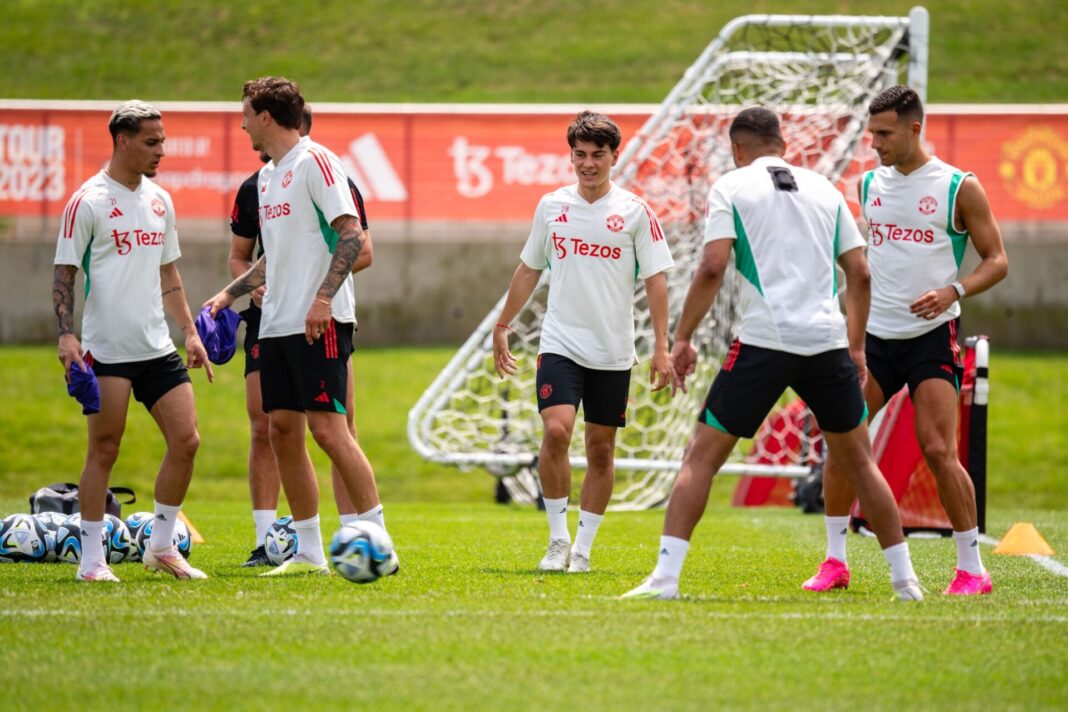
(326, 435)
(260, 432)
(557, 435)
(599, 454)
(940, 455)
(186, 444)
(104, 451)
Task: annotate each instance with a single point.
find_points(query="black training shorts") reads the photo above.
(603, 394)
(893, 363)
(151, 379)
(297, 376)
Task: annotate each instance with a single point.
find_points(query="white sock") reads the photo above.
(309, 540)
(968, 558)
(587, 530)
(163, 527)
(373, 515)
(671, 557)
(347, 519)
(263, 518)
(556, 511)
(837, 530)
(92, 535)
(900, 563)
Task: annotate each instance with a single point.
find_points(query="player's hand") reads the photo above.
(661, 370)
(197, 355)
(860, 360)
(70, 351)
(684, 359)
(257, 295)
(220, 301)
(503, 360)
(933, 303)
(317, 321)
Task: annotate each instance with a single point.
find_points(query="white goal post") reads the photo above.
(818, 73)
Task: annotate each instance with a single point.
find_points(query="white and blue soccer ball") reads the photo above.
(50, 522)
(280, 543)
(362, 552)
(22, 538)
(140, 526)
(69, 539)
(118, 544)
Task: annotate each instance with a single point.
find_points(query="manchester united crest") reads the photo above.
(287, 179)
(1034, 167)
(614, 223)
(158, 207)
(928, 205)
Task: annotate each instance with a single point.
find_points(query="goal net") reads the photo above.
(818, 73)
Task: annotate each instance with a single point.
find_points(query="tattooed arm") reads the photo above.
(255, 277)
(346, 252)
(70, 349)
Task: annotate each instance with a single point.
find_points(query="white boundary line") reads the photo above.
(1046, 562)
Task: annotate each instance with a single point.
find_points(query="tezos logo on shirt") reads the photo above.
(582, 248)
(270, 212)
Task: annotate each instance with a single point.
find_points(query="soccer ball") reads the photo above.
(281, 541)
(140, 526)
(22, 538)
(117, 540)
(50, 522)
(362, 552)
(69, 539)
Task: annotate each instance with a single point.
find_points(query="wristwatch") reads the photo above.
(959, 289)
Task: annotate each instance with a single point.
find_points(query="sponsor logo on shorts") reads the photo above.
(322, 398)
(545, 391)
(928, 205)
(614, 223)
(255, 351)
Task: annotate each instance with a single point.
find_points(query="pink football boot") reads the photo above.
(831, 574)
(967, 584)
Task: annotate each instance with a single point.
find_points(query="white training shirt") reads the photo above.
(120, 238)
(912, 245)
(299, 199)
(787, 243)
(595, 252)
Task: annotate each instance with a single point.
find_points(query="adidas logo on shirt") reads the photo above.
(877, 203)
(562, 218)
(116, 213)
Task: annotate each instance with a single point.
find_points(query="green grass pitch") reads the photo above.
(470, 624)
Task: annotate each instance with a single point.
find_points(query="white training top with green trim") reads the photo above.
(912, 245)
(596, 252)
(299, 199)
(120, 238)
(789, 225)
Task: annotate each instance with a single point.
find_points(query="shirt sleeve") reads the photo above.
(328, 185)
(534, 254)
(75, 230)
(719, 216)
(358, 198)
(650, 248)
(171, 251)
(849, 237)
(245, 218)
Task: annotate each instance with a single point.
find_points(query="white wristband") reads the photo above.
(959, 289)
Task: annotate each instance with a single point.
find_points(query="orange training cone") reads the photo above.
(196, 537)
(1022, 539)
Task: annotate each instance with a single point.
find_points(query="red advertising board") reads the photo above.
(469, 164)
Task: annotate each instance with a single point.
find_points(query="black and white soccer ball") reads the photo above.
(22, 538)
(281, 541)
(140, 526)
(362, 552)
(69, 539)
(50, 522)
(118, 544)
(135, 523)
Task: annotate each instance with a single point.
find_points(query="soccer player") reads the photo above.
(788, 227)
(262, 471)
(597, 239)
(920, 213)
(119, 228)
(311, 234)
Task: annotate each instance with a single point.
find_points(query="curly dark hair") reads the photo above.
(277, 96)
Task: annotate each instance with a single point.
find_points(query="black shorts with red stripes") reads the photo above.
(753, 378)
(603, 394)
(297, 376)
(151, 379)
(893, 363)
